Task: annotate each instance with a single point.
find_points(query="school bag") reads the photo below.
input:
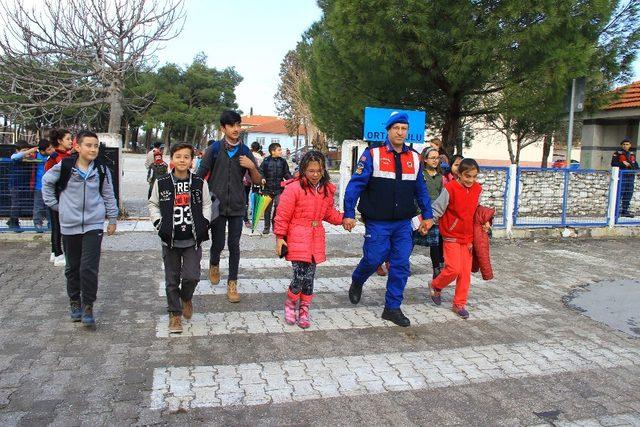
(215, 150)
(66, 167)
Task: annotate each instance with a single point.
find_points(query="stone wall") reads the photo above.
(494, 186)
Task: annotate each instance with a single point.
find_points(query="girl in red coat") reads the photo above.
(454, 211)
(307, 200)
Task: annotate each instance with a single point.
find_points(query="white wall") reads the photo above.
(285, 141)
(490, 144)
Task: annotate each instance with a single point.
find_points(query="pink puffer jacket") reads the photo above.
(299, 220)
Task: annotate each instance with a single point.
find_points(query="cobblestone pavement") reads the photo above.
(523, 358)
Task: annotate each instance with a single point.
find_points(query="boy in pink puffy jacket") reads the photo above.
(307, 200)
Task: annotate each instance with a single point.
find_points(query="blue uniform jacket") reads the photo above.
(392, 197)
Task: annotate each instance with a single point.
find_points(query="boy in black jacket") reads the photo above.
(274, 169)
(180, 209)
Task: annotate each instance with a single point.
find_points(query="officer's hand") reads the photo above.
(627, 164)
(425, 225)
(348, 223)
(246, 163)
(111, 229)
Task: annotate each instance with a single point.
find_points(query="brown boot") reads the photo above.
(187, 309)
(175, 323)
(214, 274)
(232, 291)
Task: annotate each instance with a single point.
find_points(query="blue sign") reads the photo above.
(375, 119)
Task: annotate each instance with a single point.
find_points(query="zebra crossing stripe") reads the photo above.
(250, 263)
(357, 317)
(265, 383)
(322, 284)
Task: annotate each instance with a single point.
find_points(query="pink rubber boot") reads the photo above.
(305, 302)
(290, 315)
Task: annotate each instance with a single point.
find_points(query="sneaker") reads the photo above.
(75, 312)
(396, 316)
(355, 292)
(265, 231)
(52, 257)
(87, 316)
(59, 261)
(39, 229)
(435, 295)
(460, 311)
(187, 309)
(175, 323)
(247, 224)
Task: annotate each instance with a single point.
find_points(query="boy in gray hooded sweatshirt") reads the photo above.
(80, 189)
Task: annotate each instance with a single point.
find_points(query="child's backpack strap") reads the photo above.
(215, 150)
(66, 168)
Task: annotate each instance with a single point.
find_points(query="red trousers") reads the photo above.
(457, 266)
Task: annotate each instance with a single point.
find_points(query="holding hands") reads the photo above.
(348, 224)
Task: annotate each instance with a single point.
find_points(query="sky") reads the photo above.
(251, 35)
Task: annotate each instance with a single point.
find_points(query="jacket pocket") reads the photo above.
(453, 224)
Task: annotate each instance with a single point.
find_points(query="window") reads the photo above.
(275, 140)
(260, 140)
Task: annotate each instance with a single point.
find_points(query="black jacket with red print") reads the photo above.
(624, 156)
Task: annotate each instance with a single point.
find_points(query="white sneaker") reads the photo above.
(52, 257)
(60, 261)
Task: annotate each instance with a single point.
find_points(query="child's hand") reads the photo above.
(111, 229)
(348, 224)
(486, 227)
(425, 225)
(246, 163)
(279, 244)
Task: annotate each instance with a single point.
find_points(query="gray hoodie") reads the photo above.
(81, 206)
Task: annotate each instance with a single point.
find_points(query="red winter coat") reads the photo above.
(481, 256)
(299, 220)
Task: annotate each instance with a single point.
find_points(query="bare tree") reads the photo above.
(79, 53)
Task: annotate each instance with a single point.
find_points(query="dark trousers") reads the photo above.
(56, 235)
(627, 181)
(268, 219)
(181, 274)
(437, 254)
(247, 190)
(82, 253)
(217, 242)
(303, 275)
(17, 201)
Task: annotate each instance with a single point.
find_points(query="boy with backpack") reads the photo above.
(156, 167)
(274, 169)
(80, 189)
(181, 217)
(223, 166)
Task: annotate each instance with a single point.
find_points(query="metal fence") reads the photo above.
(561, 197)
(628, 197)
(19, 201)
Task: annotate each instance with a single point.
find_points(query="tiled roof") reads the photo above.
(275, 126)
(627, 97)
(257, 120)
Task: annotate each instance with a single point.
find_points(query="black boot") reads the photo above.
(355, 292)
(396, 316)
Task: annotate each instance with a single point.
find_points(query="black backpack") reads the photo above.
(66, 167)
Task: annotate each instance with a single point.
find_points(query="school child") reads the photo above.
(40, 211)
(80, 190)
(19, 182)
(157, 168)
(274, 169)
(432, 175)
(454, 210)
(180, 209)
(62, 142)
(306, 201)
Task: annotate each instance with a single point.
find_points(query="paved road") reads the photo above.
(523, 358)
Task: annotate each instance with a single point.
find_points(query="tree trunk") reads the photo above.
(148, 134)
(186, 133)
(518, 149)
(451, 126)
(512, 158)
(115, 107)
(546, 148)
(127, 134)
(166, 139)
(193, 139)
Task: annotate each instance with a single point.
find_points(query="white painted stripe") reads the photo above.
(246, 263)
(355, 317)
(298, 380)
(321, 284)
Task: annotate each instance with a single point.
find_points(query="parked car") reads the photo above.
(562, 163)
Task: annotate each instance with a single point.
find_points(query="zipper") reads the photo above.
(173, 226)
(193, 219)
(84, 200)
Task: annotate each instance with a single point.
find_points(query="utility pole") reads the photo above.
(571, 113)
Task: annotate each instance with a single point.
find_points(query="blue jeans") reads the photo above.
(40, 212)
(386, 240)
